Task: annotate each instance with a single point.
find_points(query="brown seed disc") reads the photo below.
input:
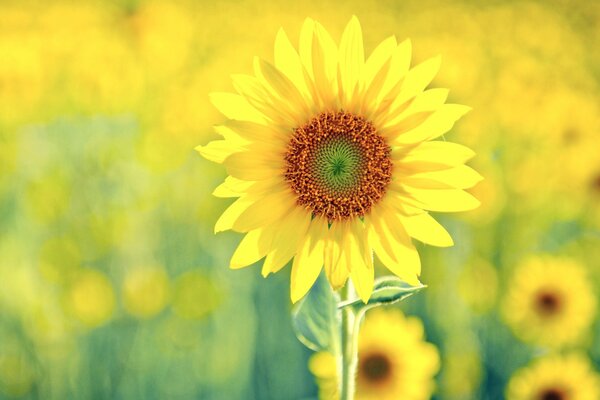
(338, 165)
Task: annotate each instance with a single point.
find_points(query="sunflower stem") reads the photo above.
(349, 346)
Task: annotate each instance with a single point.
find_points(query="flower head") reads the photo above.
(332, 159)
(569, 377)
(394, 360)
(550, 301)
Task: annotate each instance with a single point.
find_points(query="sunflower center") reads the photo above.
(553, 394)
(375, 368)
(338, 165)
(548, 303)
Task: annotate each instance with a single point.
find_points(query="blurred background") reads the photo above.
(112, 283)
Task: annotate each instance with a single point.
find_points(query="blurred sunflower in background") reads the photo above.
(332, 158)
(555, 377)
(395, 362)
(550, 301)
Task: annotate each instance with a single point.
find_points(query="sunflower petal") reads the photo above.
(234, 106)
(285, 89)
(288, 61)
(434, 153)
(286, 240)
(360, 259)
(460, 177)
(392, 244)
(218, 150)
(252, 248)
(352, 58)
(336, 266)
(418, 78)
(232, 187)
(426, 229)
(324, 65)
(436, 125)
(232, 213)
(309, 260)
(263, 212)
(443, 200)
(248, 166)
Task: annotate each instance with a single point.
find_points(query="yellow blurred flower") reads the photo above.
(549, 301)
(394, 361)
(91, 298)
(556, 377)
(145, 291)
(333, 159)
(194, 295)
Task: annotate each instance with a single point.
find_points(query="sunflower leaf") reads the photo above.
(316, 319)
(386, 290)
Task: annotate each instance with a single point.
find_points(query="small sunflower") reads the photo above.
(394, 361)
(569, 377)
(332, 160)
(550, 301)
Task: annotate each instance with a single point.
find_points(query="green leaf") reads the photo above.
(316, 319)
(386, 290)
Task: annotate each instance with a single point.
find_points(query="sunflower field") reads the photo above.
(114, 284)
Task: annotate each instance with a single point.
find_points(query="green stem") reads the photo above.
(349, 347)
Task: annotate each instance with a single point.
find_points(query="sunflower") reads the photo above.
(550, 301)
(332, 160)
(394, 360)
(569, 377)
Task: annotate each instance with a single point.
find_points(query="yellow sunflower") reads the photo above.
(394, 361)
(550, 301)
(569, 377)
(332, 159)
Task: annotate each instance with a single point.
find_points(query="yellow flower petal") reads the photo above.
(426, 229)
(263, 212)
(443, 200)
(309, 260)
(360, 259)
(250, 166)
(398, 69)
(259, 97)
(351, 60)
(218, 150)
(288, 61)
(284, 89)
(432, 155)
(460, 177)
(336, 266)
(436, 125)
(232, 213)
(286, 240)
(232, 187)
(234, 106)
(392, 245)
(305, 47)
(253, 132)
(418, 78)
(252, 248)
(377, 60)
(324, 66)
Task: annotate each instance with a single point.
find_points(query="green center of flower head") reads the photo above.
(338, 165)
